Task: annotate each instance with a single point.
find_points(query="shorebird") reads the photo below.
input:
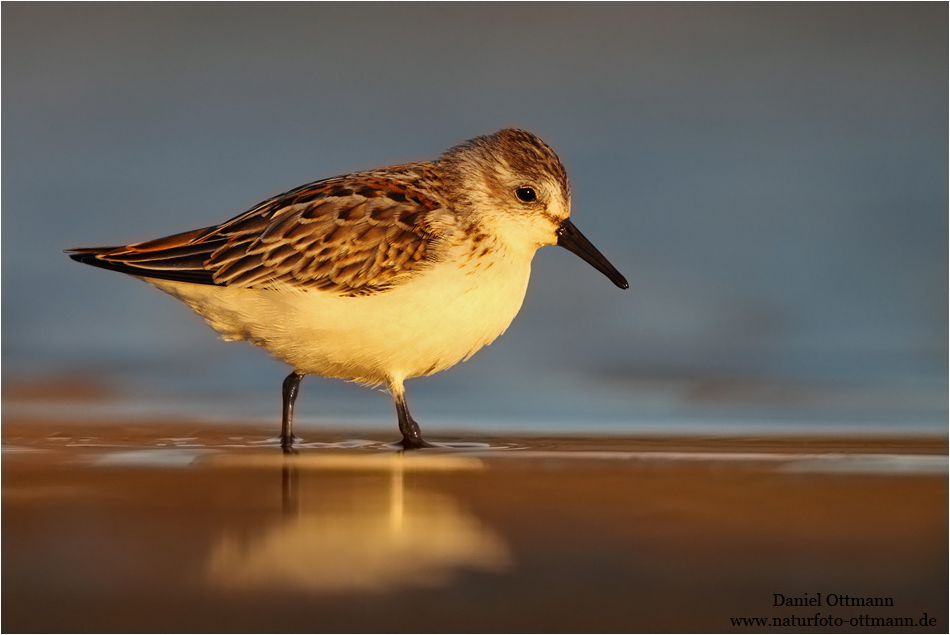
(379, 276)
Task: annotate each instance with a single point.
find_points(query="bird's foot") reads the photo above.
(287, 444)
(415, 443)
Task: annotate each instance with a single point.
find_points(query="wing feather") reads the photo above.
(353, 235)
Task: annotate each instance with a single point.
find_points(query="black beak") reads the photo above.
(575, 242)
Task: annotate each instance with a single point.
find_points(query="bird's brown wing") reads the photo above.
(354, 235)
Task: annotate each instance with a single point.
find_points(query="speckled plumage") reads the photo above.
(353, 234)
(376, 276)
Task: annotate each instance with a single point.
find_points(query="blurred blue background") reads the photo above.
(772, 179)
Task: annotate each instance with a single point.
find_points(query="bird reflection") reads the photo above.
(290, 495)
(372, 532)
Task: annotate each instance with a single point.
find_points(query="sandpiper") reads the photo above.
(378, 276)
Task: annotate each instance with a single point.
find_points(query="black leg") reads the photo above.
(411, 435)
(291, 384)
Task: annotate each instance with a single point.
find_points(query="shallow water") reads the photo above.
(177, 526)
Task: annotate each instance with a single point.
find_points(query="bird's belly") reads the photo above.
(423, 326)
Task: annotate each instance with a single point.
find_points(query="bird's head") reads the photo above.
(514, 185)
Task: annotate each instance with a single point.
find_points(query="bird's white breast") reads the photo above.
(431, 322)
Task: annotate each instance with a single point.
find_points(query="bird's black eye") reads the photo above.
(526, 194)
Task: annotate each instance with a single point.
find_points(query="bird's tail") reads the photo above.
(178, 257)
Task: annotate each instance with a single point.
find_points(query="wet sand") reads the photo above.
(188, 527)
